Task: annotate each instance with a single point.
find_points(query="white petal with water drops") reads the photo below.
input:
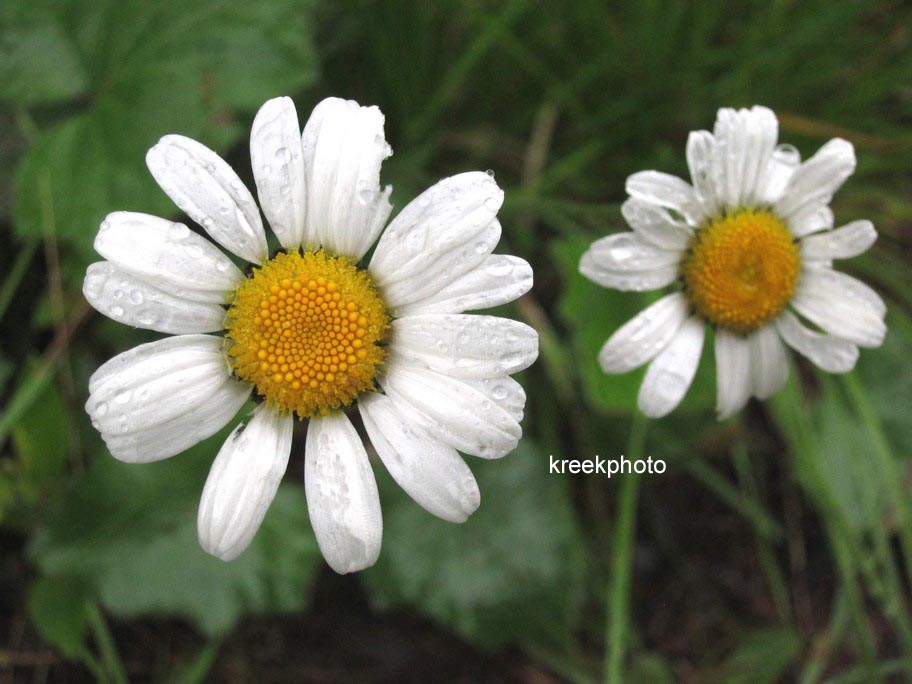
(829, 353)
(841, 305)
(122, 296)
(769, 365)
(430, 472)
(848, 241)
(344, 146)
(453, 411)
(655, 225)
(644, 336)
(671, 372)
(498, 279)
(208, 190)
(450, 223)
(670, 192)
(816, 181)
(463, 345)
(243, 482)
(157, 399)
(278, 168)
(342, 496)
(733, 368)
(168, 256)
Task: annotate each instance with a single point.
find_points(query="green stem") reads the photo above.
(618, 606)
(106, 647)
(15, 275)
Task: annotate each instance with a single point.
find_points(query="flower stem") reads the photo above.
(617, 620)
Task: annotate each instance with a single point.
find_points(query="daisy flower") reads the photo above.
(749, 247)
(312, 329)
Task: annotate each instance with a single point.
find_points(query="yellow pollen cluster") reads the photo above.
(741, 270)
(305, 330)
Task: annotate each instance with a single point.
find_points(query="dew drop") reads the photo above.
(123, 398)
(136, 296)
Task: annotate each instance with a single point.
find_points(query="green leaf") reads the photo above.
(512, 573)
(763, 657)
(59, 607)
(129, 532)
(41, 438)
(154, 68)
(39, 64)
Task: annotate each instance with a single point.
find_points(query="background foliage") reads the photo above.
(775, 549)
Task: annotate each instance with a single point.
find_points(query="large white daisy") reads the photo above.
(749, 246)
(308, 331)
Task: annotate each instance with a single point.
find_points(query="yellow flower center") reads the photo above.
(306, 331)
(741, 270)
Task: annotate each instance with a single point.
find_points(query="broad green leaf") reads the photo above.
(58, 607)
(154, 68)
(512, 573)
(129, 532)
(39, 64)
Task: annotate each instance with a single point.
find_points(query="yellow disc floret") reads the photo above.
(741, 270)
(306, 329)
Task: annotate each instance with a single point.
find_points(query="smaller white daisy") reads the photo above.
(749, 246)
(310, 330)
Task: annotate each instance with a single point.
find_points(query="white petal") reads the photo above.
(505, 392)
(122, 296)
(810, 220)
(464, 345)
(769, 365)
(848, 241)
(832, 354)
(733, 369)
(669, 375)
(816, 181)
(667, 191)
(644, 335)
(344, 146)
(463, 255)
(655, 225)
(782, 165)
(160, 398)
(454, 412)
(498, 279)
(243, 482)
(278, 168)
(450, 219)
(841, 305)
(342, 496)
(625, 261)
(701, 154)
(744, 143)
(168, 256)
(433, 474)
(208, 190)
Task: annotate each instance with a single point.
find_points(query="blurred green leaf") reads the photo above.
(763, 657)
(512, 573)
(41, 439)
(59, 607)
(154, 68)
(39, 64)
(129, 532)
